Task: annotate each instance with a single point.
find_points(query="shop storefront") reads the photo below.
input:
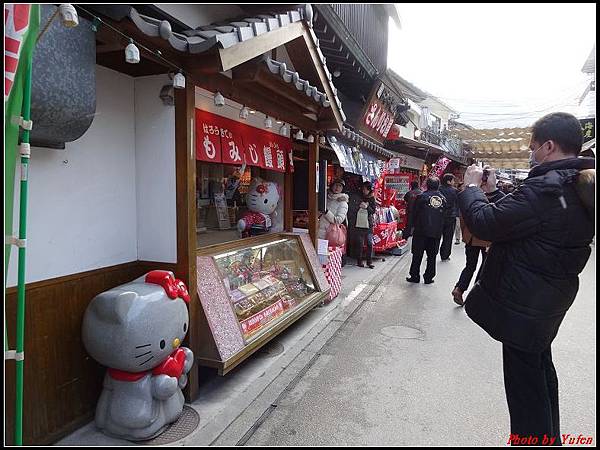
(255, 278)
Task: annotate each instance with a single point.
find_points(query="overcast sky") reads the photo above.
(499, 65)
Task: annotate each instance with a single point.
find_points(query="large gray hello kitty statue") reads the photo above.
(262, 199)
(136, 330)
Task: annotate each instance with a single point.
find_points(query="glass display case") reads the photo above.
(251, 290)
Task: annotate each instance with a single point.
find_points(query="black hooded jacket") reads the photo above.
(428, 219)
(541, 235)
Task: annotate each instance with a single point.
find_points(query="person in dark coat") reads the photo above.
(409, 199)
(473, 248)
(361, 210)
(428, 226)
(541, 235)
(450, 214)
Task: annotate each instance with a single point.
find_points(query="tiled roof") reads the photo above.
(366, 142)
(293, 78)
(226, 34)
(201, 39)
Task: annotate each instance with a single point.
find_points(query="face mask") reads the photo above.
(532, 160)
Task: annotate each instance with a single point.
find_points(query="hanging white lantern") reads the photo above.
(132, 53)
(299, 135)
(268, 122)
(219, 99)
(179, 81)
(68, 15)
(244, 112)
(310, 139)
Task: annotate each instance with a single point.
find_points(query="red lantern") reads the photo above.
(394, 133)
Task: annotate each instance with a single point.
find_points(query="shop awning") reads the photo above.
(217, 48)
(356, 160)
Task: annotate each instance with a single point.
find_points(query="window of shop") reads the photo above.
(240, 178)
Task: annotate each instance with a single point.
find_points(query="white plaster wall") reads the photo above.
(82, 200)
(155, 172)
(438, 110)
(195, 15)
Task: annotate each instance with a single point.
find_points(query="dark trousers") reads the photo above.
(466, 275)
(359, 236)
(420, 245)
(447, 236)
(531, 388)
(408, 229)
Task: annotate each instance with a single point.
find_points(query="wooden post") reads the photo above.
(313, 205)
(185, 185)
(288, 205)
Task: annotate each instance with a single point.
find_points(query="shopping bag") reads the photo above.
(362, 218)
(336, 235)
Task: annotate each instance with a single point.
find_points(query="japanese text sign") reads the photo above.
(219, 139)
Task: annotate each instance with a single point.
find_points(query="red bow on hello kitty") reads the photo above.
(262, 189)
(173, 287)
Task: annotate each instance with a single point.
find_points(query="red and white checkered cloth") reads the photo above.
(333, 272)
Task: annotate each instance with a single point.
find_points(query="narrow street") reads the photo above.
(410, 368)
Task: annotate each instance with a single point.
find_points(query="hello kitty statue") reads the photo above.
(136, 330)
(262, 199)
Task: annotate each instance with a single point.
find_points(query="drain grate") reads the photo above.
(402, 332)
(187, 422)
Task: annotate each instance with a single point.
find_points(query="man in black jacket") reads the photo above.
(540, 236)
(450, 214)
(409, 199)
(428, 224)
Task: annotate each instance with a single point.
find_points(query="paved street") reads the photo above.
(410, 368)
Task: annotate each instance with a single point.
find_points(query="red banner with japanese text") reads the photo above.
(208, 137)
(223, 140)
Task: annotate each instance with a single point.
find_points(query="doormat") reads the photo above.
(187, 422)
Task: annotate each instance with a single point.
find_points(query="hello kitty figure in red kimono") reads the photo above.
(136, 330)
(262, 200)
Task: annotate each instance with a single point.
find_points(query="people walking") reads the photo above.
(360, 223)
(473, 248)
(450, 214)
(409, 199)
(457, 228)
(428, 226)
(541, 235)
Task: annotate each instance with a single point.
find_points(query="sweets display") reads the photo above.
(264, 283)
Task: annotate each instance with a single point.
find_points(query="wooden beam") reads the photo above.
(276, 84)
(296, 49)
(254, 97)
(257, 72)
(185, 186)
(107, 48)
(313, 204)
(312, 69)
(244, 51)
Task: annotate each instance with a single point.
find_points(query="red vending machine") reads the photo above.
(400, 180)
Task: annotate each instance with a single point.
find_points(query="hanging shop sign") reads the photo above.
(395, 165)
(437, 170)
(223, 140)
(379, 116)
(589, 129)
